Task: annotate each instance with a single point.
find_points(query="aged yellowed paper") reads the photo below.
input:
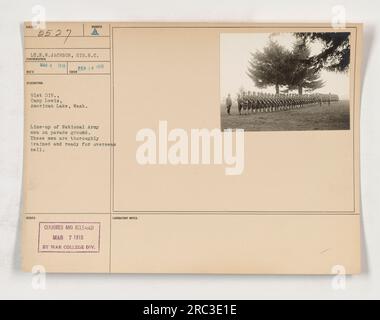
(192, 148)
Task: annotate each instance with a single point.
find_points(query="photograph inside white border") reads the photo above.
(285, 81)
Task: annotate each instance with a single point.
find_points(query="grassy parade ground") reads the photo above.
(313, 117)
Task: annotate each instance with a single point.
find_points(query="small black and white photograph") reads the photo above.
(285, 81)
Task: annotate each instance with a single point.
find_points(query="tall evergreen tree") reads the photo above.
(304, 74)
(270, 67)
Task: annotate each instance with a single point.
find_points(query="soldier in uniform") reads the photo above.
(273, 103)
(259, 102)
(249, 102)
(245, 102)
(295, 101)
(228, 104)
(267, 102)
(288, 101)
(240, 103)
(254, 102)
(278, 102)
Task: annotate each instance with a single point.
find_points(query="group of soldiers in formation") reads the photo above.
(252, 102)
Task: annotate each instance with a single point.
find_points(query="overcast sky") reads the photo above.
(235, 50)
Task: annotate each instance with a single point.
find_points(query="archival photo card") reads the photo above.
(129, 166)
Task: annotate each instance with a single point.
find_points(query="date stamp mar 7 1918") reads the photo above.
(69, 237)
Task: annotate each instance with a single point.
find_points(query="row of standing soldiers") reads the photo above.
(252, 102)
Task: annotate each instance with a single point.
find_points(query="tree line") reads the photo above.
(297, 68)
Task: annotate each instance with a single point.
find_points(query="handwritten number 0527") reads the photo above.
(54, 33)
